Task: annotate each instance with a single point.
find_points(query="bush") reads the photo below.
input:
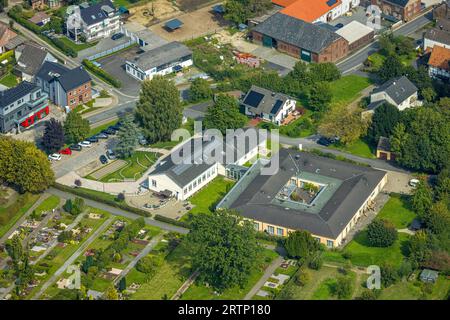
(64, 47)
(316, 261)
(149, 264)
(74, 207)
(161, 218)
(302, 277)
(381, 233)
(102, 73)
(344, 287)
(389, 275)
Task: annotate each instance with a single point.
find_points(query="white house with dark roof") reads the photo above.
(439, 35)
(185, 178)
(30, 57)
(268, 105)
(400, 92)
(168, 58)
(93, 22)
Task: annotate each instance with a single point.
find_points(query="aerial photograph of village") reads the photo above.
(253, 150)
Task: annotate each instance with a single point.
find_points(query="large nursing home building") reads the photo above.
(346, 192)
(182, 180)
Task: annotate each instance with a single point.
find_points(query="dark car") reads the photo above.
(103, 159)
(75, 147)
(110, 131)
(339, 25)
(117, 36)
(323, 141)
(92, 139)
(115, 127)
(102, 135)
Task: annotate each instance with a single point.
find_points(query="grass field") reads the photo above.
(12, 213)
(75, 46)
(300, 128)
(138, 163)
(398, 211)
(48, 204)
(201, 292)
(9, 80)
(358, 148)
(348, 88)
(205, 200)
(405, 290)
(364, 255)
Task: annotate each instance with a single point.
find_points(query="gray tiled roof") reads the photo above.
(68, 78)
(357, 184)
(164, 54)
(266, 102)
(31, 59)
(96, 13)
(11, 95)
(398, 89)
(438, 35)
(297, 32)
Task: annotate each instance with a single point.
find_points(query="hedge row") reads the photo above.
(120, 205)
(161, 218)
(17, 16)
(336, 157)
(101, 73)
(269, 237)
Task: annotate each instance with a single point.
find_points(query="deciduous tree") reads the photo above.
(381, 233)
(224, 114)
(128, 137)
(200, 90)
(76, 128)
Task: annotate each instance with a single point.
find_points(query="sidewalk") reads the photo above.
(267, 274)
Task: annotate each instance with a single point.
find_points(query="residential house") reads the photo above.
(399, 9)
(317, 10)
(6, 35)
(22, 106)
(40, 18)
(442, 10)
(439, 35)
(30, 58)
(439, 63)
(281, 203)
(267, 105)
(196, 168)
(53, 4)
(37, 4)
(300, 39)
(163, 60)
(399, 92)
(357, 34)
(93, 22)
(65, 87)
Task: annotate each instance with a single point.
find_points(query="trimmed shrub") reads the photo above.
(101, 73)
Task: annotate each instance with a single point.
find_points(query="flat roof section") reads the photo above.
(354, 31)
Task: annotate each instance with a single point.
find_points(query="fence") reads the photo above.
(112, 50)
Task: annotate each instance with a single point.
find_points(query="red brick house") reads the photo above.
(399, 9)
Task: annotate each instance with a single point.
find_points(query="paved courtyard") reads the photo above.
(170, 208)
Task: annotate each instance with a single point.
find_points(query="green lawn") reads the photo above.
(200, 292)
(358, 148)
(205, 200)
(174, 271)
(9, 80)
(75, 46)
(398, 211)
(12, 213)
(300, 128)
(102, 127)
(348, 88)
(138, 163)
(325, 290)
(364, 255)
(48, 204)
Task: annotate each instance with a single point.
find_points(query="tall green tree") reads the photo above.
(301, 245)
(381, 233)
(159, 110)
(319, 97)
(422, 199)
(384, 120)
(239, 11)
(391, 68)
(128, 137)
(76, 128)
(224, 114)
(53, 138)
(200, 90)
(224, 248)
(324, 71)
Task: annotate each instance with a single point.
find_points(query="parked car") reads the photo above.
(55, 157)
(75, 147)
(110, 154)
(339, 25)
(67, 151)
(85, 144)
(103, 159)
(323, 141)
(102, 135)
(413, 182)
(92, 139)
(110, 131)
(117, 36)
(97, 64)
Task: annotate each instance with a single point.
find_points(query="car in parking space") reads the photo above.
(75, 147)
(92, 139)
(97, 64)
(110, 131)
(110, 154)
(102, 135)
(54, 157)
(66, 151)
(85, 144)
(339, 25)
(103, 159)
(116, 127)
(323, 141)
(117, 36)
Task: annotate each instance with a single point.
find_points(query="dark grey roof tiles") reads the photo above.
(398, 89)
(162, 55)
(11, 95)
(31, 59)
(260, 100)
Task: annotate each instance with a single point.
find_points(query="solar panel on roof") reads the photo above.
(331, 2)
(254, 99)
(276, 107)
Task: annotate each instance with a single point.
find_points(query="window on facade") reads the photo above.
(190, 187)
(256, 225)
(317, 239)
(195, 184)
(279, 231)
(154, 183)
(185, 190)
(199, 180)
(270, 229)
(330, 244)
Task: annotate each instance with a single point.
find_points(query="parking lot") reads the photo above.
(115, 65)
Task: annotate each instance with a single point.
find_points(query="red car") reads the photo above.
(66, 151)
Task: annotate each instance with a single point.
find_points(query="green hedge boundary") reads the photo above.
(174, 222)
(119, 205)
(101, 73)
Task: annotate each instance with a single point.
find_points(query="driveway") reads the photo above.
(115, 65)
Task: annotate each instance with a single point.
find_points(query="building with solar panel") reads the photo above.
(200, 161)
(267, 105)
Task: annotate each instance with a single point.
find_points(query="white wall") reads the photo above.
(428, 43)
